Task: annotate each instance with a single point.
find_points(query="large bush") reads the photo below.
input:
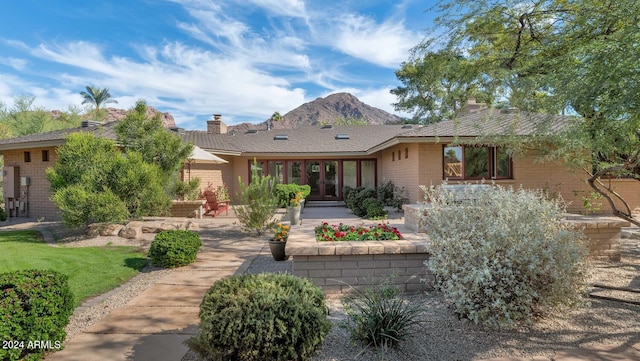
(34, 305)
(174, 248)
(504, 256)
(258, 205)
(261, 317)
(139, 172)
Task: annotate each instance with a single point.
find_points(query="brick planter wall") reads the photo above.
(604, 235)
(338, 267)
(192, 209)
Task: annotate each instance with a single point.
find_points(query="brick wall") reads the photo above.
(553, 177)
(341, 274)
(37, 194)
(402, 171)
(214, 174)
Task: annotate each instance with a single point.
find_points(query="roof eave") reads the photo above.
(30, 145)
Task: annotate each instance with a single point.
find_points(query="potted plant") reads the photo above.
(294, 208)
(278, 242)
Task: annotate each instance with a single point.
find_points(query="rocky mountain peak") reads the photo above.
(328, 110)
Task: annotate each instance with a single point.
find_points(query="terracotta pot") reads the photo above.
(277, 250)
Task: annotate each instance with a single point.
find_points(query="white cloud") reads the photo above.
(16, 63)
(385, 44)
(179, 77)
(293, 8)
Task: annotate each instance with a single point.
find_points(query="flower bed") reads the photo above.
(343, 232)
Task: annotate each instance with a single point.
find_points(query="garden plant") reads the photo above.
(378, 317)
(261, 317)
(343, 232)
(504, 257)
(174, 248)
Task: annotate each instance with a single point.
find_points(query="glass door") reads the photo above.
(322, 177)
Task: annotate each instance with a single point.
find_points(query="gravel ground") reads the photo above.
(442, 336)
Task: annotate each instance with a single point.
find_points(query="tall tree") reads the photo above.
(97, 97)
(436, 85)
(581, 56)
(145, 134)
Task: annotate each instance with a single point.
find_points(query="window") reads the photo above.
(45, 155)
(399, 153)
(350, 173)
(27, 157)
(406, 153)
(393, 156)
(294, 172)
(276, 169)
(368, 173)
(468, 162)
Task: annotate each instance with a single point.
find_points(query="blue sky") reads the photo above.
(243, 59)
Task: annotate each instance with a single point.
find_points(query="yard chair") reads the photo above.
(213, 207)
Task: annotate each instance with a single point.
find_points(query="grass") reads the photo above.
(91, 270)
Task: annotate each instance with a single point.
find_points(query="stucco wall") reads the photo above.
(37, 194)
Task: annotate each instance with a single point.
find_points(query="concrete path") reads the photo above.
(154, 325)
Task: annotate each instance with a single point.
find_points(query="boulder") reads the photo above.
(110, 229)
(131, 231)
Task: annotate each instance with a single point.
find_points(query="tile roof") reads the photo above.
(493, 122)
(56, 137)
(312, 139)
(363, 139)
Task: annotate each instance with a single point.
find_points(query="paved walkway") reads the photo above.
(154, 325)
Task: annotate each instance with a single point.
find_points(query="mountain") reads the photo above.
(118, 114)
(338, 106)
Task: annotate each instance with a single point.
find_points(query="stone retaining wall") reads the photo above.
(339, 267)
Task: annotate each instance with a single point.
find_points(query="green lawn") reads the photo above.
(91, 270)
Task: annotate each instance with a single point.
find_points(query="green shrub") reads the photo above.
(393, 196)
(359, 199)
(378, 317)
(34, 305)
(79, 207)
(257, 205)
(187, 191)
(374, 208)
(3, 215)
(261, 317)
(504, 256)
(174, 248)
(285, 192)
(348, 195)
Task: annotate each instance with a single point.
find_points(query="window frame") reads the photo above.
(492, 163)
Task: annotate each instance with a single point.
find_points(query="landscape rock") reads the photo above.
(110, 229)
(131, 231)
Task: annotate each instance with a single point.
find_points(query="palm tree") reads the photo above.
(97, 97)
(276, 117)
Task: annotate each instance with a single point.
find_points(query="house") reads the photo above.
(330, 157)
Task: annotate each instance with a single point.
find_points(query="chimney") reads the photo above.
(216, 126)
(472, 106)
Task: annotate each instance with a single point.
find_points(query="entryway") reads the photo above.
(322, 176)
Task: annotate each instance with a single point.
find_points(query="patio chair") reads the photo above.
(213, 207)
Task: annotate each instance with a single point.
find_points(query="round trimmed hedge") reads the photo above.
(34, 305)
(174, 248)
(261, 317)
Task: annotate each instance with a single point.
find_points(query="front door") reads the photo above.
(322, 176)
